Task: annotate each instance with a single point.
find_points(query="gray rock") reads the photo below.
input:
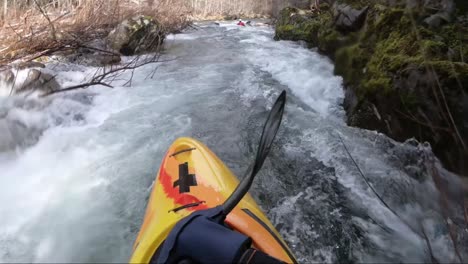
(37, 81)
(6, 140)
(445, 12)
(16, 134)
(7, 77)
(347, 18)
(28, 65)
(137, 35)
(434, 21)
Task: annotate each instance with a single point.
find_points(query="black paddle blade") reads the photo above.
(269, 132)
(270, 129)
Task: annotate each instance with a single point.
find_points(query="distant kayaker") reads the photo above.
(242, 24)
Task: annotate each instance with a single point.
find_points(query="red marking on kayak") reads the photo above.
(187, 199)
(173, 192)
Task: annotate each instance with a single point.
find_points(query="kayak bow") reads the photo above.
(193, 178)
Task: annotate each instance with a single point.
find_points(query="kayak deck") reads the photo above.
(193, 178)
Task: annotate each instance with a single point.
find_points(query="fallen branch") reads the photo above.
(105, 76)
(80, 86)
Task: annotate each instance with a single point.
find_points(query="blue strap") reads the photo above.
(171, 239)
(202, 237)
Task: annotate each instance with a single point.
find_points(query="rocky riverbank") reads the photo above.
(403, 64)
(96, 62)
(134, 36)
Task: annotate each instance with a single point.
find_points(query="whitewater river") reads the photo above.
(76, 169)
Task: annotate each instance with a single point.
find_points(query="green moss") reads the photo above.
(291, 32)
(329, 41)
(296, 24)
(385, 22)
(376, 84)
(409, 101)
(393, 62)
(351, 63)
(391, 42)
(449, 69)
(287, 32)
(389, 45)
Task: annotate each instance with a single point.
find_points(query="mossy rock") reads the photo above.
(397, 67)
(137, 35)
(315, 29)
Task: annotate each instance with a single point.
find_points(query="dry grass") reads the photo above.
(39, 27)
(42, 29)
(218, 9)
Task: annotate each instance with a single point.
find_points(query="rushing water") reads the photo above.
(76, 169)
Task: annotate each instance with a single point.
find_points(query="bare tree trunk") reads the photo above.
(5, 9)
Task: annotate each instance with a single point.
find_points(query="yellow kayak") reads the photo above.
(192, 178)
(214, 183)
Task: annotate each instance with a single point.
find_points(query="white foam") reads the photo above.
(181, 36)
(62, 196)
(308, 74)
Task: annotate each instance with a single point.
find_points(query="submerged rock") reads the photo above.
(7, 77)
(14, 134)
(36, 81)
(27, 81)
(137, 35)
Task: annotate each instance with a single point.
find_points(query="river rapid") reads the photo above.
(76, 169)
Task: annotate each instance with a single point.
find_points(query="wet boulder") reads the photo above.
(18, 130)
(7, 77)
(14, 134)
(37, 80)
(137, 35)
(347, 18)
(445, 12)
(436, 20)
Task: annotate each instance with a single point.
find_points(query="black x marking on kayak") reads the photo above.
(185, 179)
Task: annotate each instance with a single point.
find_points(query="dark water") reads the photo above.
(76, 170)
